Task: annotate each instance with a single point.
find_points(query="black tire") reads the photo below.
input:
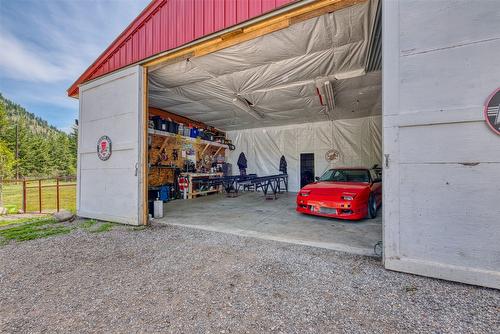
(372, 207)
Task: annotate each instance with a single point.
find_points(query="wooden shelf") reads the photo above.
(205, 192)
(191, 193)
(195, 175)
(194, 140)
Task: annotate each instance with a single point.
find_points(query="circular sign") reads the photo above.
(492, 111)
(104, 148)
(332, 155)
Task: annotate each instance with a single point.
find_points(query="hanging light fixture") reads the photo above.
(329, 96)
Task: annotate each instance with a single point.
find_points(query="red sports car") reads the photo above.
(344, 193)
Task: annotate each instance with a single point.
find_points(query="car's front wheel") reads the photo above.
(372, 207)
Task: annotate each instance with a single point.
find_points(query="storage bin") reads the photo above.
(164, 125)
(157, 122)
(194, 133)
(164, 193)
(172, 127)
(187, 131)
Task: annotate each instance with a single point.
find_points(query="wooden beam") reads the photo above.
(217, 151)
(327, 9)
(145, 151)
(176, 118)
(179, 54)
(206, 146)
(256, 30)
(242, 37)
(232, 34)
(165, 143)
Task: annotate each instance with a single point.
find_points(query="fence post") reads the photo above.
(57, 193)
(40, 194)
(24, 195)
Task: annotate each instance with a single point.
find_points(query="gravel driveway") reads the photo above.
(182, 280)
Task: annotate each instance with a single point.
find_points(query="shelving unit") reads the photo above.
(194, 140)
(191, 193)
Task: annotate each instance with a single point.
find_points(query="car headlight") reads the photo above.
(348, 196)
(305, 193)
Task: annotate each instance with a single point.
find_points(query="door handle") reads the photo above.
(136, 168)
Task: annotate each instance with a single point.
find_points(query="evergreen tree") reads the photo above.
(43, 149)
(6, 155)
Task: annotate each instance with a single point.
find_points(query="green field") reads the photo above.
(12, 194)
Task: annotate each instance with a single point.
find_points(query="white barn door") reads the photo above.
(111, 189)
(441, 189)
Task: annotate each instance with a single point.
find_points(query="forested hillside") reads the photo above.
(43, 150)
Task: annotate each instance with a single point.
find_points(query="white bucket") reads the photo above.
(158, 209)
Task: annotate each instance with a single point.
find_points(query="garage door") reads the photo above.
(441, 213)
(109, 176)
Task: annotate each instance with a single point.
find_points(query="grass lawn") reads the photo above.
(25, 229)
(12, 194)
(33, 229)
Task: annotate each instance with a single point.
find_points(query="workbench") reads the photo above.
(194, 177)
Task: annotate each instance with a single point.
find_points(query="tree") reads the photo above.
(43, 150)
(6, 155)
(61, 156)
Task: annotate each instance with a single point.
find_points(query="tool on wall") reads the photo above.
(163, 155)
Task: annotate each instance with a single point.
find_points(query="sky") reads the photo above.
(45, 45)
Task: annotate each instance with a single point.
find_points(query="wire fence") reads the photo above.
(42, 195)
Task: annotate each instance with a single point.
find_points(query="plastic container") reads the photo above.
(194, 132)
(157, 121)
(187, 131)
(164, 125)
(164, 193)
(158, 209)
(172, 128)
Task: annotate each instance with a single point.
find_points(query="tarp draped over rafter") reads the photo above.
(280, 77)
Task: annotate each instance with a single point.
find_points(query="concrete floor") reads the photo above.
(250, 214)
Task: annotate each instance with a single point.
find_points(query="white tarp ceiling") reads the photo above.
(277, 76)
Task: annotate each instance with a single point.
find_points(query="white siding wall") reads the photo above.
(112, 105)
(442, 194)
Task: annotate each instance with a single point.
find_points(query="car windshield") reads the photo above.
(346, 175)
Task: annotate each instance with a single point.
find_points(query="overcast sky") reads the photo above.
(46, 44)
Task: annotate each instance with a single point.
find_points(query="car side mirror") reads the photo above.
(377, 180)
(316, 178)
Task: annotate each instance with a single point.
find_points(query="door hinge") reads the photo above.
(136, 168)
(386, 160)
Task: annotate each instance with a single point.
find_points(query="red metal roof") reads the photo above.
(167, 24)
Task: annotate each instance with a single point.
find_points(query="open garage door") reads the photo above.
(110, 137)
(441, 209)
(311, 87)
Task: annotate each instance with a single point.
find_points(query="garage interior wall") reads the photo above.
(358, 140)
